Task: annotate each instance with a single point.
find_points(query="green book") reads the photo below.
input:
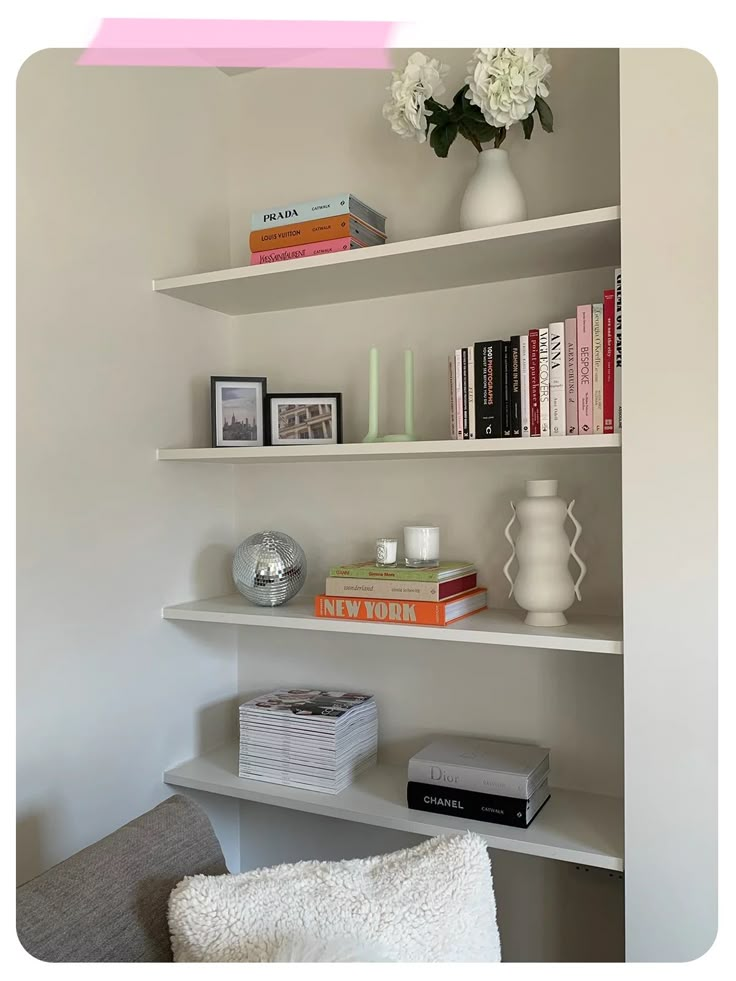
(369, 570)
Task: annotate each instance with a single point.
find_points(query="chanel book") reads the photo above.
(482, 765)
(495, 808)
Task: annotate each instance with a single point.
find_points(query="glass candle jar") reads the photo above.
(421, 546)
(386, 551)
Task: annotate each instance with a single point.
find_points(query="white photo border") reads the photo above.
(217, 384)
(300, 398)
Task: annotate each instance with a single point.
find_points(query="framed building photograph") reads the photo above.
(238, 416)
(313, 418)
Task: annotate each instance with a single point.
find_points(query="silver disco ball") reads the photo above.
(269, 568)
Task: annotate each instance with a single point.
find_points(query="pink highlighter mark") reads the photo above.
(241, 43)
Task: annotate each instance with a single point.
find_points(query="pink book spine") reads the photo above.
(300, 251)
(571, 375)
(585, 369)
(609, 316)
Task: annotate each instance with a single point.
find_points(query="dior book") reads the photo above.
(481, 765)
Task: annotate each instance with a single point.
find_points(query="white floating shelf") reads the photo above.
(572, 827)
(505, 628)
(539, 247)
(420, 450)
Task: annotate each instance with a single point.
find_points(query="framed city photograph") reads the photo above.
(238, 416)
(304, 419)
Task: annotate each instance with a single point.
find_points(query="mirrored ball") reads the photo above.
(269, 568)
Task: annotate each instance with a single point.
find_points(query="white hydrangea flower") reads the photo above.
(504, 82)
(422, 79)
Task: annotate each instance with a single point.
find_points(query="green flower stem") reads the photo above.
(475, 143)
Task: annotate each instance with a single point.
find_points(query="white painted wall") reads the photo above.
(575, 168)
(572, 702)
(121, 177)
(669, 243)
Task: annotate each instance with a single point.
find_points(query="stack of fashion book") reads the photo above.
(332, 224)
(308, 738)
(433, 597)
(480, 779)
(563, 379)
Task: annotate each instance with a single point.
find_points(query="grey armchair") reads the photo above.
(109, 901)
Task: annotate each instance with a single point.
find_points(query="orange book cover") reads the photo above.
(315, 230)
(401, 611)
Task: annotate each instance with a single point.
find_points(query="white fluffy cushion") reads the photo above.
(433, 902)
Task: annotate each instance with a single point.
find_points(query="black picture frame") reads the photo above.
(218, 409)
(302, 437)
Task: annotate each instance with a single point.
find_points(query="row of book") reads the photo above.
(434, 597)
(333, 224)
(563, 379)
(480, 779)
(308, 738)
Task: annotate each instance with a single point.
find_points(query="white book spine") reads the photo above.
(471, 392)
(524, 371)
(617, 358)
(470, 778)
(597, 353)
(557, 391)
(544, 381)
(459, 393)
(451, 370)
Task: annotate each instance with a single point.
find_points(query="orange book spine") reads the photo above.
(300, 233)
(384, 611)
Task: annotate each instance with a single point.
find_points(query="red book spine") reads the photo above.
(535, 420)
(453, 587)
(609, 361)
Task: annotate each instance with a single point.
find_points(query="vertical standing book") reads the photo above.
(515, 380)
(585, 369)
(609, 340)
(534, 421)
(544, 381)
(453, 420)
(488, 390)
(459, 392)
(618, 356)
(557, 388)
(597, 359)
(464, 365)
(571, 376)
(506, 376)
(524, 370)
(471, 392)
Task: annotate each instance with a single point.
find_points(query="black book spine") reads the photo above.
(468, 804)
(515, 372)
(506, 387)
(466, 421)
(488, 390)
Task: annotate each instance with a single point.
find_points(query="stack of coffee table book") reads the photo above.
(308, 738)
(480, 779)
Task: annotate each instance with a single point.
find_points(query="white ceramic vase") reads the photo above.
(493, 195)
(543, 585)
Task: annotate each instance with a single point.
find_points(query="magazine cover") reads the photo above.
(308, 701)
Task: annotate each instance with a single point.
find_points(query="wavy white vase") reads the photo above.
(493, 195)
(543, 585)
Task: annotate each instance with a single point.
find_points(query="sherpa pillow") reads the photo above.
(433, 902)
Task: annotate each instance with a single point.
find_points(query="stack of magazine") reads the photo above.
(308, 738)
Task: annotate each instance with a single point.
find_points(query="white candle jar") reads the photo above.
(421, 547)
(386, 551)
